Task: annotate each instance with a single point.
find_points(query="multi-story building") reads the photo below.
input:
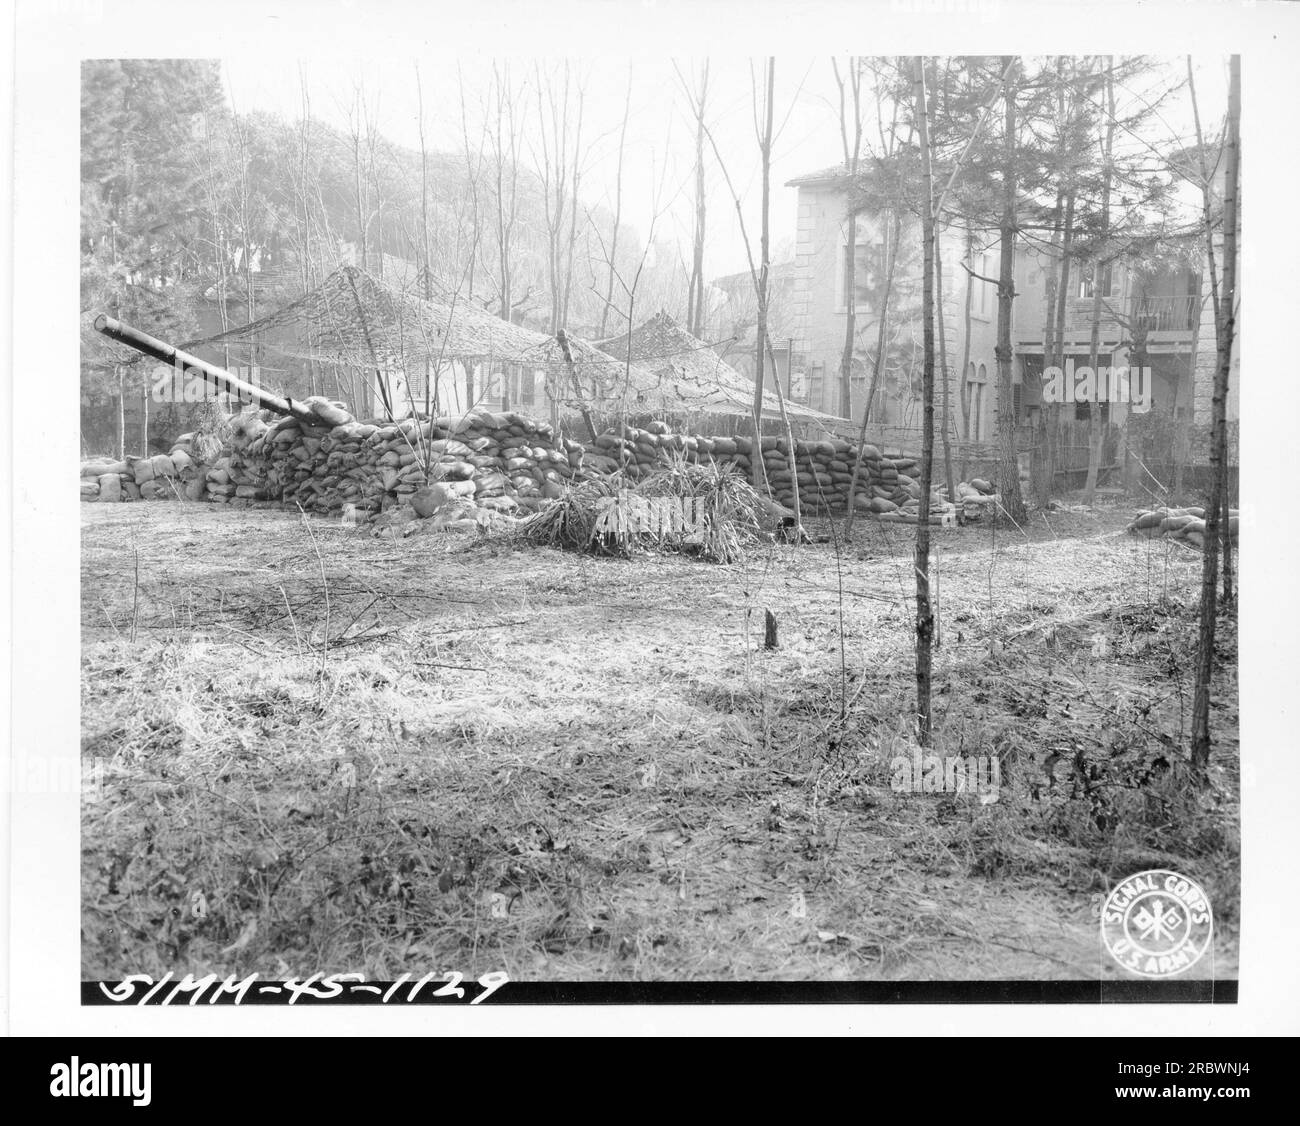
(1158, 318)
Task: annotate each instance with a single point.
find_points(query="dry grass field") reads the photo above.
(312, 750)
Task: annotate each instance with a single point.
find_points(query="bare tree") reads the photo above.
(943, 371)
(1009, 467)
(426, 265)
(376, 214)
(891, 252)
(924, 611)
(764, 135)
(473, 172)
(1225, 329)
(618, 210)
(965, 340)
(505, 158)
(359, 185)
(697, 99)
(1100, 268)
(629, 286)
(850, 126)
(558, 163)
(1207, 197)
(575, 175)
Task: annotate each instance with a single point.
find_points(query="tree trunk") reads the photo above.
(575, 177)
(943, 371)
(852, 153)
(1225, 327)
(850, 314)
(119, 416)
(965, 346)
(792, 455)
(877, 364)
(765, 148)
(430, 396)
(1094, 410)
(924, 613)
(1009, 464)
(875, 374)
(618, 209)
(1062, 295)
(1046, 466)
(1095, 435)
(695, 301)
(1181, 429)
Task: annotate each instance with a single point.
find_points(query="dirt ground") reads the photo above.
(309, 750)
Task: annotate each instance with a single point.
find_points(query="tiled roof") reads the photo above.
(831, 175)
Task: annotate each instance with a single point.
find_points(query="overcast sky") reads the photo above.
(659, 156)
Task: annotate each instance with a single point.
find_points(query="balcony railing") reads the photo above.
(1166, 314)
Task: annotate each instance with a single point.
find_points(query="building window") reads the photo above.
(869, 267)
(975, 397)
(798, 390)
(417, 382)
(1108, 280)
(988, 293)
(795, 374)
(816, 377)
(493, 388)
(527, 388)
(1103, 412)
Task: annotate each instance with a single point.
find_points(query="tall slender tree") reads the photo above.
(1225, 331)
(763, 113)
(697, 99)
(849, 85)
(924, 610)
(1008, 461)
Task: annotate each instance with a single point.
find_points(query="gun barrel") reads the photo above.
(210, 373)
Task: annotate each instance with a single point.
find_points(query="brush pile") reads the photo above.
(706, 509)
(822, 477)
(1185, 525)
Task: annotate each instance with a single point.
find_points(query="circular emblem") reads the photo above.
(1157, 923)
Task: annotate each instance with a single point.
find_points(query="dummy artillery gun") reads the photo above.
(313, 412)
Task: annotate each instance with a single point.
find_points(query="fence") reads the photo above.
(1146, 452)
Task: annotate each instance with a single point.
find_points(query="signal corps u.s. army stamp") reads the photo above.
(1157, 923)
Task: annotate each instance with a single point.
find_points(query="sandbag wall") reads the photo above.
(1186, 525)
(887, 486)
(162, 477)
(500, 460)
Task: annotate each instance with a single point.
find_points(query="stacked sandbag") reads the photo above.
(822, 475)
(498, 460)
(161, 477)
(978, 497)
(331, 463)
(1186, 525)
